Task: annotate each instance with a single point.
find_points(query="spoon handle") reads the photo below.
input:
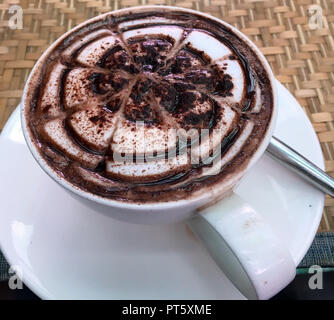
(299, 164)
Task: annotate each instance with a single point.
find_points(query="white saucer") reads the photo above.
(66, 251)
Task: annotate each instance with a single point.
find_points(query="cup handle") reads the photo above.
(245, 247)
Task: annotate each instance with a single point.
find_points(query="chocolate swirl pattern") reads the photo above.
(145, 108)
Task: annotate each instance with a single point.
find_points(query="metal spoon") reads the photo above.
(299, 164)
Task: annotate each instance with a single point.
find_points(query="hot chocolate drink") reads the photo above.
(148, 106)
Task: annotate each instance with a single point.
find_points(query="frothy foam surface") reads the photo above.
(144, 108)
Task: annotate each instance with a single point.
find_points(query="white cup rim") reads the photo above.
(151, 205)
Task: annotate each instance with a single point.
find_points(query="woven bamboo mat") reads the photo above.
(296, 36)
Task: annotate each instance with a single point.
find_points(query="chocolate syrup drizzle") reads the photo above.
(143, 89)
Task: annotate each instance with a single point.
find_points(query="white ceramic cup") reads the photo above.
(239, 239)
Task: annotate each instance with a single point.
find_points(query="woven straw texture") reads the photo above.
(296, 36)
